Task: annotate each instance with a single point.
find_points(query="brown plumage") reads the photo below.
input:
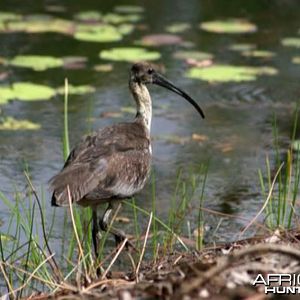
(113, 163)
(114, 157)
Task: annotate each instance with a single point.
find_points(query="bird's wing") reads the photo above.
(92, 163)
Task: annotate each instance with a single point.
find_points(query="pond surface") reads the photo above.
(234, 138)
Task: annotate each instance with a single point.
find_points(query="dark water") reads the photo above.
(238, 123)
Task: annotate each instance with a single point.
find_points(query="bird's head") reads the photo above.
(145, 73)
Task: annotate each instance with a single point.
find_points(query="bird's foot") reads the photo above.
(120, 237)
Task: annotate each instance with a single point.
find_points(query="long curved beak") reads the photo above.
(160, 80)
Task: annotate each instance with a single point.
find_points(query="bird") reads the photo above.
(114, 163)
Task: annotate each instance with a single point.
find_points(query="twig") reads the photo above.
(81, 255)
(224, 263)
(31, 275)
(55, 267)
(28, 249)
(266, 202)
(10, 288)
(144, 247)
(114, 259)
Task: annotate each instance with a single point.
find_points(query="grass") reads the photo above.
(280, 207)
(28, 264)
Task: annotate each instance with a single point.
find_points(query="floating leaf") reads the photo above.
(34, 25)
(178, 27)
(117, 19)
(9, 16)
(291, 42)
(130, 54)
(111, 114)
(229, 26)
(36, 62)
(31, 91)
(97, 33)
(258, 53)
(224, 73)
(77, 90)
(6, 237)
(160, 40)
(199, 137)
(74, 62)
(91, 15)
(129, 9)
(296, 145)
(103, 68)
(10, 123)
(125, 28)
(242, 47)
(296, 60)
(197, 55)
(128, 109)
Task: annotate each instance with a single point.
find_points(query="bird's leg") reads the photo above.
(95, 231)
(106, 226)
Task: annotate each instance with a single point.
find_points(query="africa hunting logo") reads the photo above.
(279, 283)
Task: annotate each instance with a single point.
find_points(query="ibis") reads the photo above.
(114, 162)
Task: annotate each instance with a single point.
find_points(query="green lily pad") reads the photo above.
(178, 27)
(36, 62)
(77, 90)
(91, 15)
(9, 16)
(97, 33)
(296, 60)
(242, 47)
(130, 54)
(291, 42)
(296, 145)
(103, 68)
(258, 53)
(226, 73)
(117, 18)
(229, 26)
(6, 237)
(36, 25)
(131, 9)
(197, 55)
(25, 91)
(128, 109)
(10, 123)
(125, 28)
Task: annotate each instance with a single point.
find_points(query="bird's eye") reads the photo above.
(150, 71)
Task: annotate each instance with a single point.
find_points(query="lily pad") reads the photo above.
(117, 18)
(97, 33)
(197, 55)
(232, 26)
(103, 68)
(31, 91)
(36, 62)
(242, 47)
(226, 73)
(10, 123)
(296, 145)
(130, 54)
(160, 40)
(37, 25)
(89, 16)
(9, 16)
(258, 53)
(291, 42)
(125, 28)
(135, 9)
(178, 27)
(296, 60)
(76, 90)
